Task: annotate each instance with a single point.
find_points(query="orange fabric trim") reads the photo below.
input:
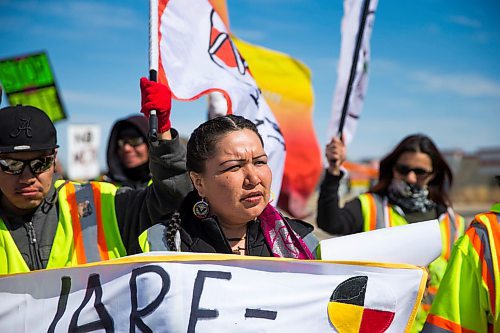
(496, 230)
(221, 9)
(485, 273)
(492, 217)
(390, 216)
(432, 289)
(495, 227)
(373, 213)
(162, 78)
(77, 228)
(447, 234)
(426, 307)
(447, 324)
(101, 239)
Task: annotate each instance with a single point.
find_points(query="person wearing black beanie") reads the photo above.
(128, 154)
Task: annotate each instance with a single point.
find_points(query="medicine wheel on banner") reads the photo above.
(350, 312)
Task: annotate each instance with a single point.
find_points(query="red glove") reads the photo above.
(156, 96)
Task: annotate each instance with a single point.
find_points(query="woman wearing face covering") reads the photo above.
(413, 185)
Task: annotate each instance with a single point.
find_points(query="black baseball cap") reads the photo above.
(26, 128)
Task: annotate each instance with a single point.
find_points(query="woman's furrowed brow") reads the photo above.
(239, 160)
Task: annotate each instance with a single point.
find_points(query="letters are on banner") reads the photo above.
(213, 293)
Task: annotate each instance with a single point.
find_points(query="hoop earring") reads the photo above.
(201, 209)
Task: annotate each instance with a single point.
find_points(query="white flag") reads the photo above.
(351, 24)
(196, 56)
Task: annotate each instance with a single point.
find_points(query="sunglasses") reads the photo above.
(134, 142)
(403, 169)
(37, 165)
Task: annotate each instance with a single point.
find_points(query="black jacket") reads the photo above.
(136, 209)
(206, 235)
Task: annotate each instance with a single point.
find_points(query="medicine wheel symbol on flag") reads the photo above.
(349, 312)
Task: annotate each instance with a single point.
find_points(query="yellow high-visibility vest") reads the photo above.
(469, 300)
(87, 230)
(379, 213)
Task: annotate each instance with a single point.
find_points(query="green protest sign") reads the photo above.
(28, 80)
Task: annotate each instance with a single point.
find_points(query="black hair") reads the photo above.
(201, 147)
(418, 143)
(201, 144)
(174, 224)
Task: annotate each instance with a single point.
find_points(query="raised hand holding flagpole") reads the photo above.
(153, 64)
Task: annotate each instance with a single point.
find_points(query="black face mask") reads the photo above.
(410, 197)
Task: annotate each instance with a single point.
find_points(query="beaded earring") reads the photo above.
(201, 209)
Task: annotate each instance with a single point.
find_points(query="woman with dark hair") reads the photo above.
(228, 211)
(413, 185)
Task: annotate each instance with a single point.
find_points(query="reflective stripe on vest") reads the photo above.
(85, 210)
(81, 235)
(372, 207)
(312, 243)
(153, 239)
(90, 209)
(485, 238)
(437, 324)
(378, 214)
(447, 224)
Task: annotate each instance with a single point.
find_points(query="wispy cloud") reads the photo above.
(464, 21)
(91, 14)
(468, 85)
(462, 84)
(385, 65)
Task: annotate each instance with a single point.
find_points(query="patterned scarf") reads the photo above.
(283, 241)
(412, 198)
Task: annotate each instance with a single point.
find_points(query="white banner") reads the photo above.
(197, 56)
(415, 243)
(212, 293)
(351, 21)
(83, 148)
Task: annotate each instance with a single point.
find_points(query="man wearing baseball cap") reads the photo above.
(47, 222)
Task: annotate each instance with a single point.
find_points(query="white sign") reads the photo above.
(83, 149)
(212, 293)
(415, 244)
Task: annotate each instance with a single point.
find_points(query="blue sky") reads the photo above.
(434, 63)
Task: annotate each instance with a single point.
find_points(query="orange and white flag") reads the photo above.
(194, 55)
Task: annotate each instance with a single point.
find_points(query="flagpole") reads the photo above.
(352, 75)
(153, 65)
